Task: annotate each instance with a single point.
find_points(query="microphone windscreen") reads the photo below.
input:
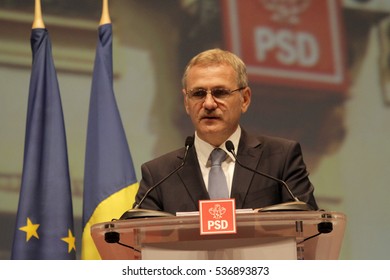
(189, 141)
(229, 146)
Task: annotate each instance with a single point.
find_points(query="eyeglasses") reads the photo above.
(217, 93)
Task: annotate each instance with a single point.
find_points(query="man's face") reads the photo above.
(215, 119)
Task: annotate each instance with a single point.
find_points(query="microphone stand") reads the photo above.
(137, 212)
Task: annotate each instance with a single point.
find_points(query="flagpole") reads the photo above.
(38, 20)
(105, 18)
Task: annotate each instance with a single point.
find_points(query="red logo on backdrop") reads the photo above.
(288, 42)
(217, 216)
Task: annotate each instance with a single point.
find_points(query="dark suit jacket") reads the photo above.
(181, 192)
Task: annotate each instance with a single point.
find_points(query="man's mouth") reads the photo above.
(210, 115)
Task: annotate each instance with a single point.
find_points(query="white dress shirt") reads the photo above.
(203, 150)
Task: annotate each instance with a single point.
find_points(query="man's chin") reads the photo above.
(209, 132)
(209, 126)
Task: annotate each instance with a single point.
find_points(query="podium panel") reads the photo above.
(267, 235)
(268, 248)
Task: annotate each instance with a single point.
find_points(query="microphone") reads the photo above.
(295, 205)
(137, 212)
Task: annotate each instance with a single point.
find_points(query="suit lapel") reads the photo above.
(192, 178)
(249, 154)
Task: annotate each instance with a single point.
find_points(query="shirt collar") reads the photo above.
(203, 149)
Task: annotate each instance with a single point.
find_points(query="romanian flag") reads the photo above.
(110, 182)
(44, 223)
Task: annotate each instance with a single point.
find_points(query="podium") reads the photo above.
(310, 235)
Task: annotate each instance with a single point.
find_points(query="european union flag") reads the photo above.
(44, 224)
(110, 182)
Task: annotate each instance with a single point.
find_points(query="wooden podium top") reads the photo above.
(251, 226)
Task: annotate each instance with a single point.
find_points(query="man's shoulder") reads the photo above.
(269, 145)
(275, 139)
(266, 140)
(169, 157)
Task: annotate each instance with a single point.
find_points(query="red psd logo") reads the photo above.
(217, 216)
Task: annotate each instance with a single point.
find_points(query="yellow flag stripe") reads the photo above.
(112, 207)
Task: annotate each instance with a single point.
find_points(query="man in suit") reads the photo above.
(216, 94)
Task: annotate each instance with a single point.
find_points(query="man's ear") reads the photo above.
(185, 100)
(246, 99)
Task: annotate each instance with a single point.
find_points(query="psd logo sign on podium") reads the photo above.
(217, 216)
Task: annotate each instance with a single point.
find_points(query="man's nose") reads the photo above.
(209, 101)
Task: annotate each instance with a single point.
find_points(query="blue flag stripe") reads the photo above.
(45, 195)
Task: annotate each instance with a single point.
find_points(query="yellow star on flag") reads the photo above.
(71, 240)
(30, 229)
